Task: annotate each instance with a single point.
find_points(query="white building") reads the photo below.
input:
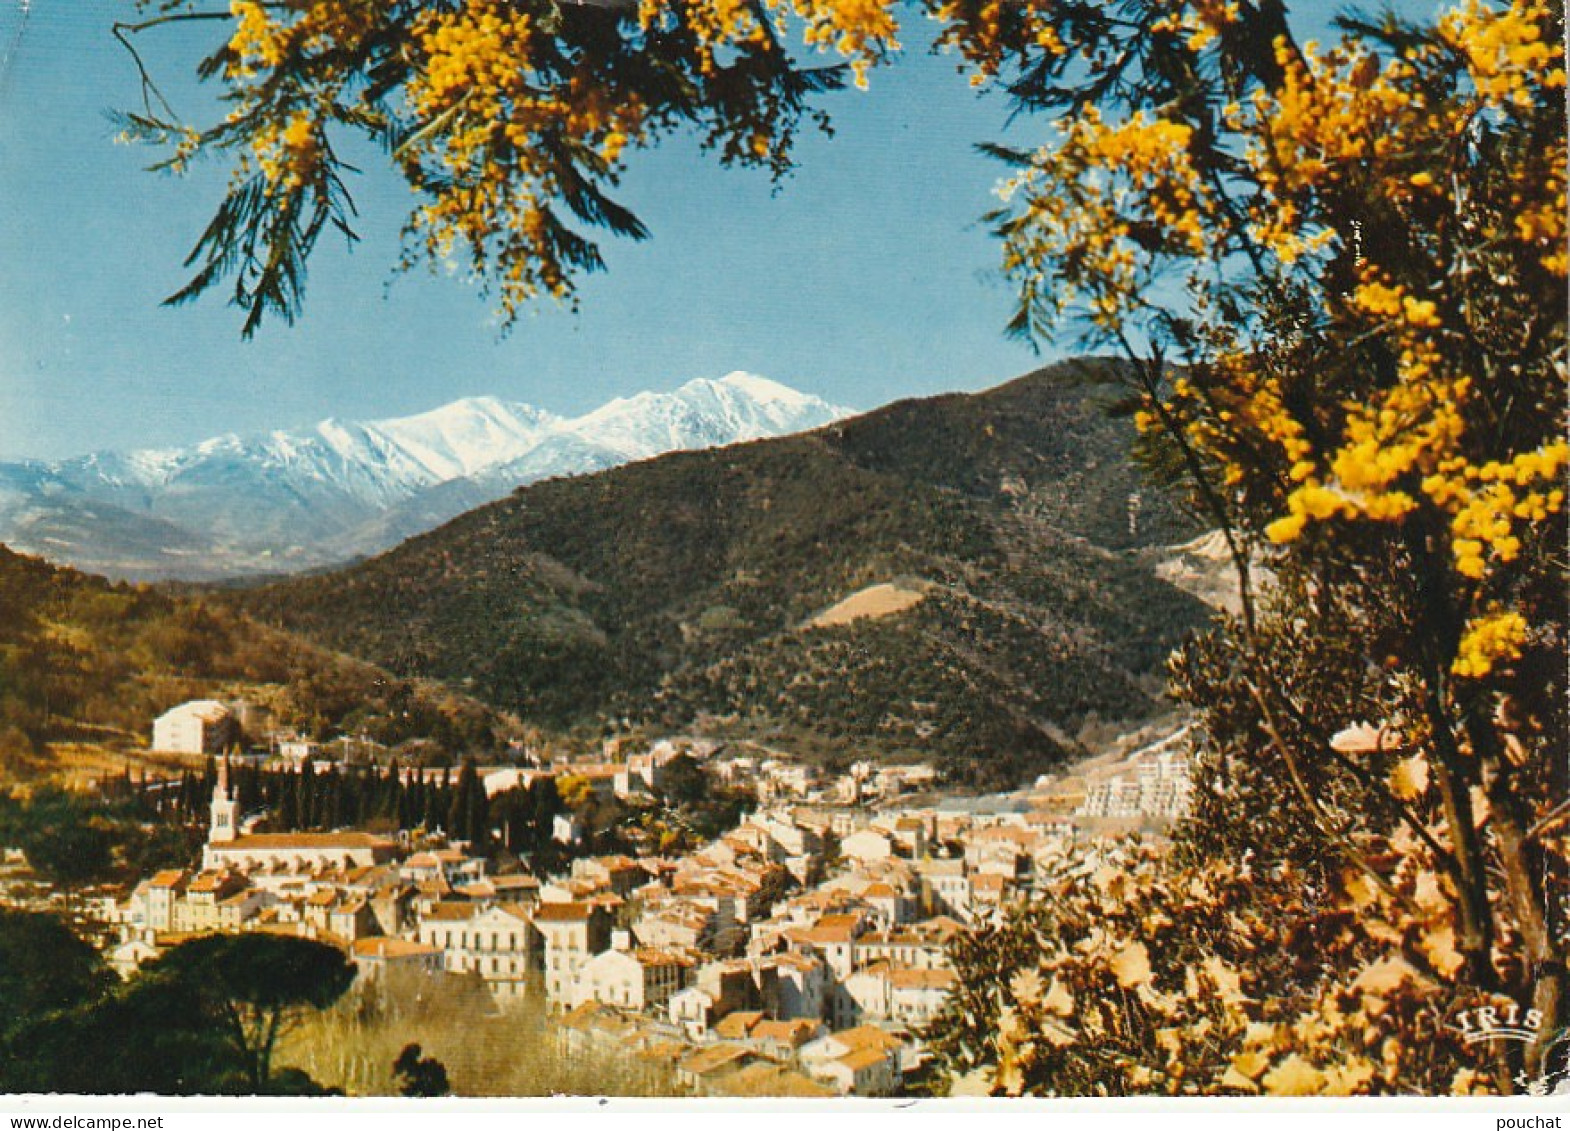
(497, 943)
(867, 846)
(1153, 782)
(150, 910)
(645, 773)
(202, 726)
(129, 956)
(566, 829)
(945, 887)
(509, 777)
(886, 992)
(635, 979)
(373, 956)
(573, 933)
(692, 1010)
(271, 859)
(298, 750)
(864, 1061)
(1159, 787)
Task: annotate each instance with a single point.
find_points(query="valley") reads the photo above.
(680, 593)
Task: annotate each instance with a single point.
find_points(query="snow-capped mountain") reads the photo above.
(700, 414)
(289, 500)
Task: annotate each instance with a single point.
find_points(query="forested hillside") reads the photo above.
(85, 665)
(677, 592)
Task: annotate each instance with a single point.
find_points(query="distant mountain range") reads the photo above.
(286, 501)
(967, 577)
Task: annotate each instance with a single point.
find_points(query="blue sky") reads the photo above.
(865, 278)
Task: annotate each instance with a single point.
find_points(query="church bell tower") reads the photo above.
(221, 829)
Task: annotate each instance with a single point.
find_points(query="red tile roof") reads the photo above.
(265, 842)
(562, 912)
(451, 912)
(391, 948)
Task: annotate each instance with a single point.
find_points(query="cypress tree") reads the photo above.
(466, 818)
(409, 805)
(332, 800)
(248, 788)
(307, 803)
(392, 797)
(289, 802)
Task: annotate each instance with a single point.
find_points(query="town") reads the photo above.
(798, 953)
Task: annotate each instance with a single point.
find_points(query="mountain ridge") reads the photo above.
(677, 592)
(296, 499)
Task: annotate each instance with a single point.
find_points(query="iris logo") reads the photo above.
(1490, 1023)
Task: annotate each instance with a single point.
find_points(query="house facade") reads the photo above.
(202, 726)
